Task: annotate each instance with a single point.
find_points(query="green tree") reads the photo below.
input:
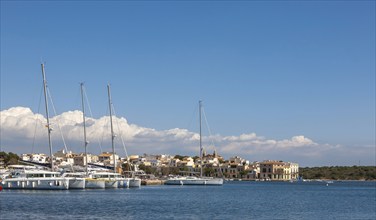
(209, 171)
(180, 157)
(148, 169)
(339, 173)
(9, 158)
(243, 173)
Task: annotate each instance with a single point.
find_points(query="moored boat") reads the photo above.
(194, 181)
(35, 179)
(111, 180)
(191, 180)
(76, 180)
(134, 182)
(92, 183)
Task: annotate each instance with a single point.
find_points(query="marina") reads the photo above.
(233, 110)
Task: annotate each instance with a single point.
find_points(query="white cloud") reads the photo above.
(19, 125)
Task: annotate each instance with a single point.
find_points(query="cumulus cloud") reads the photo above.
(21, 128)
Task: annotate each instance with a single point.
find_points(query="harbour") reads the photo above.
(232, 200)
(191, 110)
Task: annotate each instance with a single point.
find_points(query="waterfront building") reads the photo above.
(174, 162)
(37, 158)
(62, 153)
(80, 160)
(294, 171)
(236, 168)
(25, 157)
(186, 162)
(107, 158)
(278, 170)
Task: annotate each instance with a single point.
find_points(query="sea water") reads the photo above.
(233, 200)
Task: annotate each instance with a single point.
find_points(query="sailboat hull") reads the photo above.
(134, 182)
(76, 183)
(94, 184)
(111, 184)
(36, 183)
(194, 181)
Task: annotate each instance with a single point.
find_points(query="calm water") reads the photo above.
(235, 200)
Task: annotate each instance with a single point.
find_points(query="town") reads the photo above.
(162, 166)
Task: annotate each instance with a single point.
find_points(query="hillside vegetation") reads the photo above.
(339, 173)
(9, 158)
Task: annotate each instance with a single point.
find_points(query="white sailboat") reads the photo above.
(195, 180)
(111, 179)
(133, 181)
(36, 178)
(91, 182)
(76, 180)
(122, 181)
(81, 180)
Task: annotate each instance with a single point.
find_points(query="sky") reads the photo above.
(280, 80)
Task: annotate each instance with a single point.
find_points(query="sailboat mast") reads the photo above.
(47, 115)
(84, 123)
(112, 128)
(200, 104)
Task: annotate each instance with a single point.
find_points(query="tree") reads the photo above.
(243, 173)
(180, 157)
(142, 167)
(174, 170)
(209, 171)
(148, 169)
(9, 158)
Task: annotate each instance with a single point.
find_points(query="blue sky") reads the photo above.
(278, 68)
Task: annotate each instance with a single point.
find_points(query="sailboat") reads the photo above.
(110, 179)
(122, 181)
(37, 178)
(90, 182)
(84, 180)
(191, 180)
(94, 180)
(133, 181)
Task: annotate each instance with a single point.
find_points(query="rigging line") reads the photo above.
(210, 137)
(106, 126)
(99, 141)
(58, 124)
(207, 125)
(36, 119)
(87, 102)
(91, 114)
(120, 133)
